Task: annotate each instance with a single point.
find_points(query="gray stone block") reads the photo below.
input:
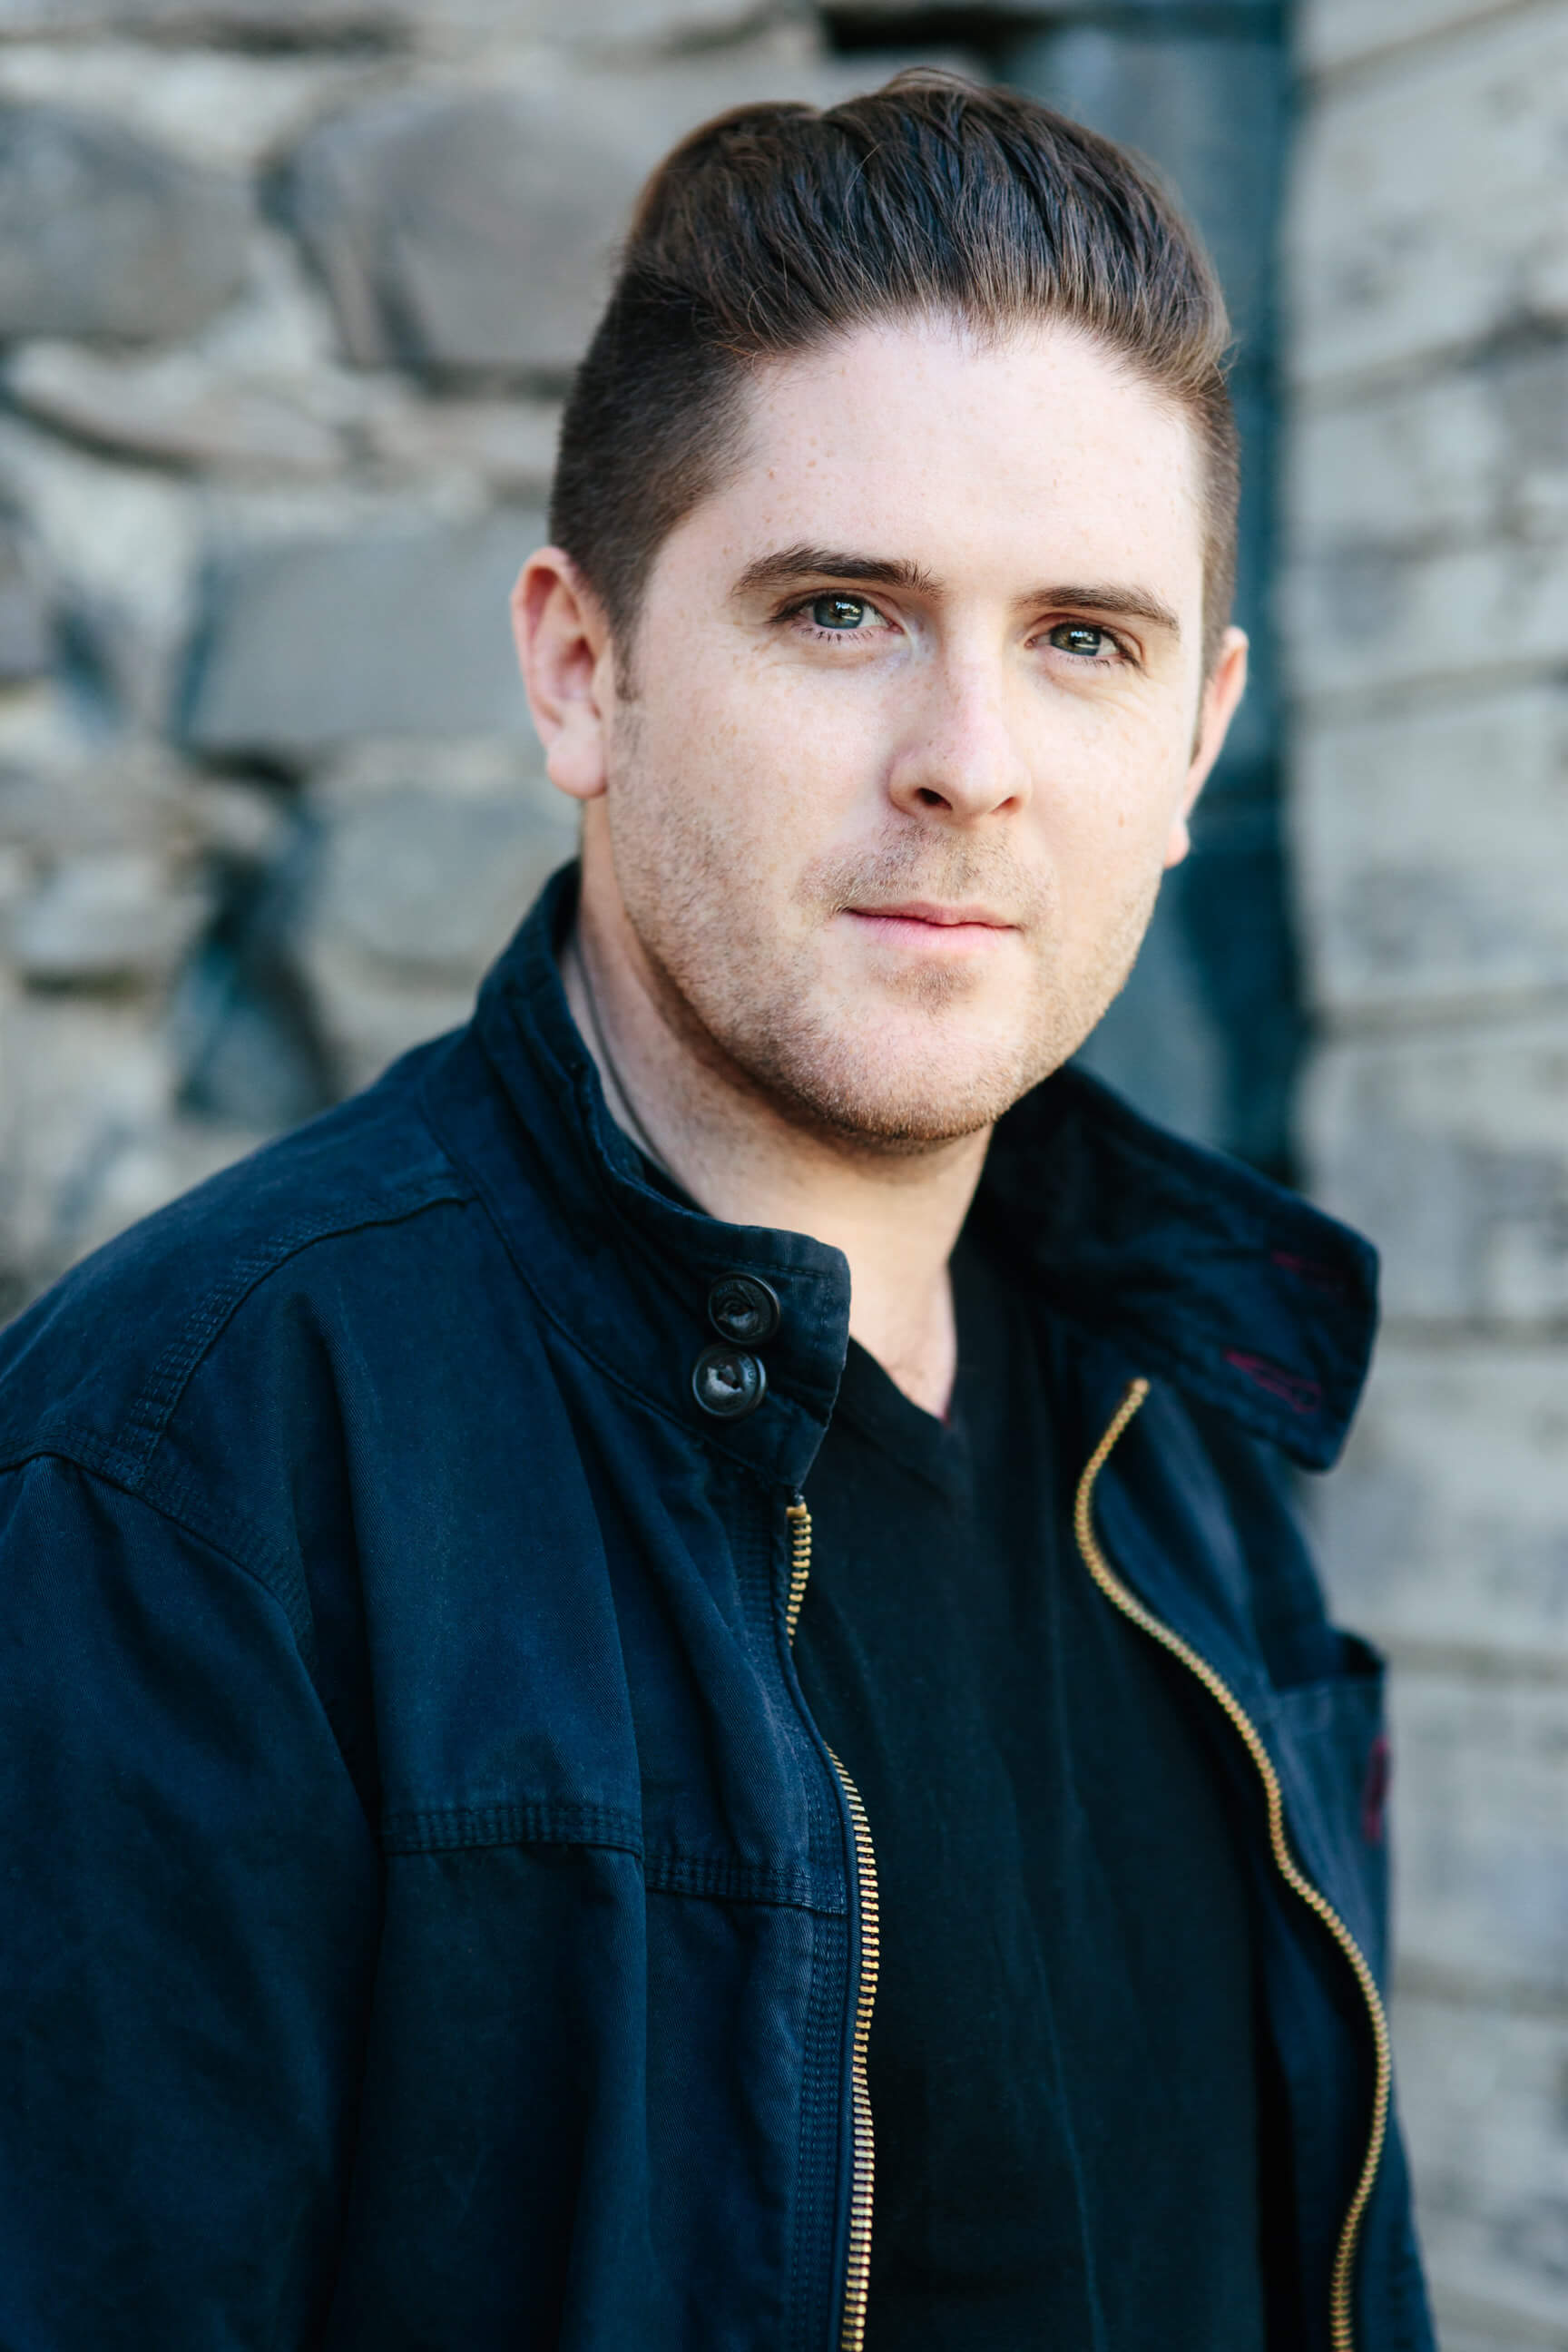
(1480, 1821)
(1242, 12)
(25, 633)
(102, 800)
(104, 235)
(230, 103)
(82, 1077)
(1429, 523)
(1409, 466)
(431, 884)
(200, 18)
(309, 643)
(1465, 2326)
(118, 544)
(470, 232)
(509, 443)
(1331, 33)
(595, 21)
(1462, 455)
(466, 232)
(1431, 850)
(1372, 622)
(177, 409)
(115, 916)
(1451, 1151)
(1427, 214)
(1485, 2115)
(1445, 1532)
(411, 897)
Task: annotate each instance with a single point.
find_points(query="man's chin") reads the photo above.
(895, 1105)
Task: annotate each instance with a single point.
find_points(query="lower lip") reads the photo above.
(931, 939)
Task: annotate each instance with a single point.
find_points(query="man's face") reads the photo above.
(911, 739)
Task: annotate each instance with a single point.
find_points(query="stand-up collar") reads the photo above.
(1197, 1269)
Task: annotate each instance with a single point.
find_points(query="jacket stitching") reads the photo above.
(252, 1570)
(454, 1829)
(154, 1408)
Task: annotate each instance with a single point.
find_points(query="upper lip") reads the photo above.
(926, 910)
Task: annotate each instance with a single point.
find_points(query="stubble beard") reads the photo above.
(753, 1014)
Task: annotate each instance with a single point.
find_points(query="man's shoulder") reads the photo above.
(95, 1368)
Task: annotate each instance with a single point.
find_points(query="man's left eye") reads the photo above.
(839, 612)
(1080, 638)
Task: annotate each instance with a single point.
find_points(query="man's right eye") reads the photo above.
(839, 612)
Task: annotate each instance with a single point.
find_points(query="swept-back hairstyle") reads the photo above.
(776, 227)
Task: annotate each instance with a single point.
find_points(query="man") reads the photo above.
(659, 1693)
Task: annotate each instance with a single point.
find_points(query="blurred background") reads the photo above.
(288, 293)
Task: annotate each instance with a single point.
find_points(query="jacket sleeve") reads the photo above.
(187, 1942)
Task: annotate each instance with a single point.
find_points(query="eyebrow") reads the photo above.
(790, 563)
(1123, 603)
(787, 565)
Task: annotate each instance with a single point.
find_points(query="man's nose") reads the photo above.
(957, 753)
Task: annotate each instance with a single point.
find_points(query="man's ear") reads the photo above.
(1226, 685)
(563, 649)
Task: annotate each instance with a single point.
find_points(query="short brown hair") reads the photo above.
(776, 227)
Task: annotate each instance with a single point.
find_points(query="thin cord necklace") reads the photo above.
(630, 1121)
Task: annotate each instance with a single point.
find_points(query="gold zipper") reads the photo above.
(858, 2271)
(1341, 2327)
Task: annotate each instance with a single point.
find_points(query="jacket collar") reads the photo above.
(1185, 1262)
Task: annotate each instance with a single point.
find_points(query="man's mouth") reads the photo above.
(927, 925)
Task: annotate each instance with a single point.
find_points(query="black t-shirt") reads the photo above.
(1063, 2073)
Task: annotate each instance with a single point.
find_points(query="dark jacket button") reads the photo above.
(741, 1308)
(728, 1382)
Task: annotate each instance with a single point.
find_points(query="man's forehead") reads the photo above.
(938, 448)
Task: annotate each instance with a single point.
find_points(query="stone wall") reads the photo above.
(290, 290)
(288, 293)
(1428, 625)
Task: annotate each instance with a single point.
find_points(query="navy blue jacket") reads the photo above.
(431, 1918)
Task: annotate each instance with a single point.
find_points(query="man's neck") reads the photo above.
(895, 1216)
